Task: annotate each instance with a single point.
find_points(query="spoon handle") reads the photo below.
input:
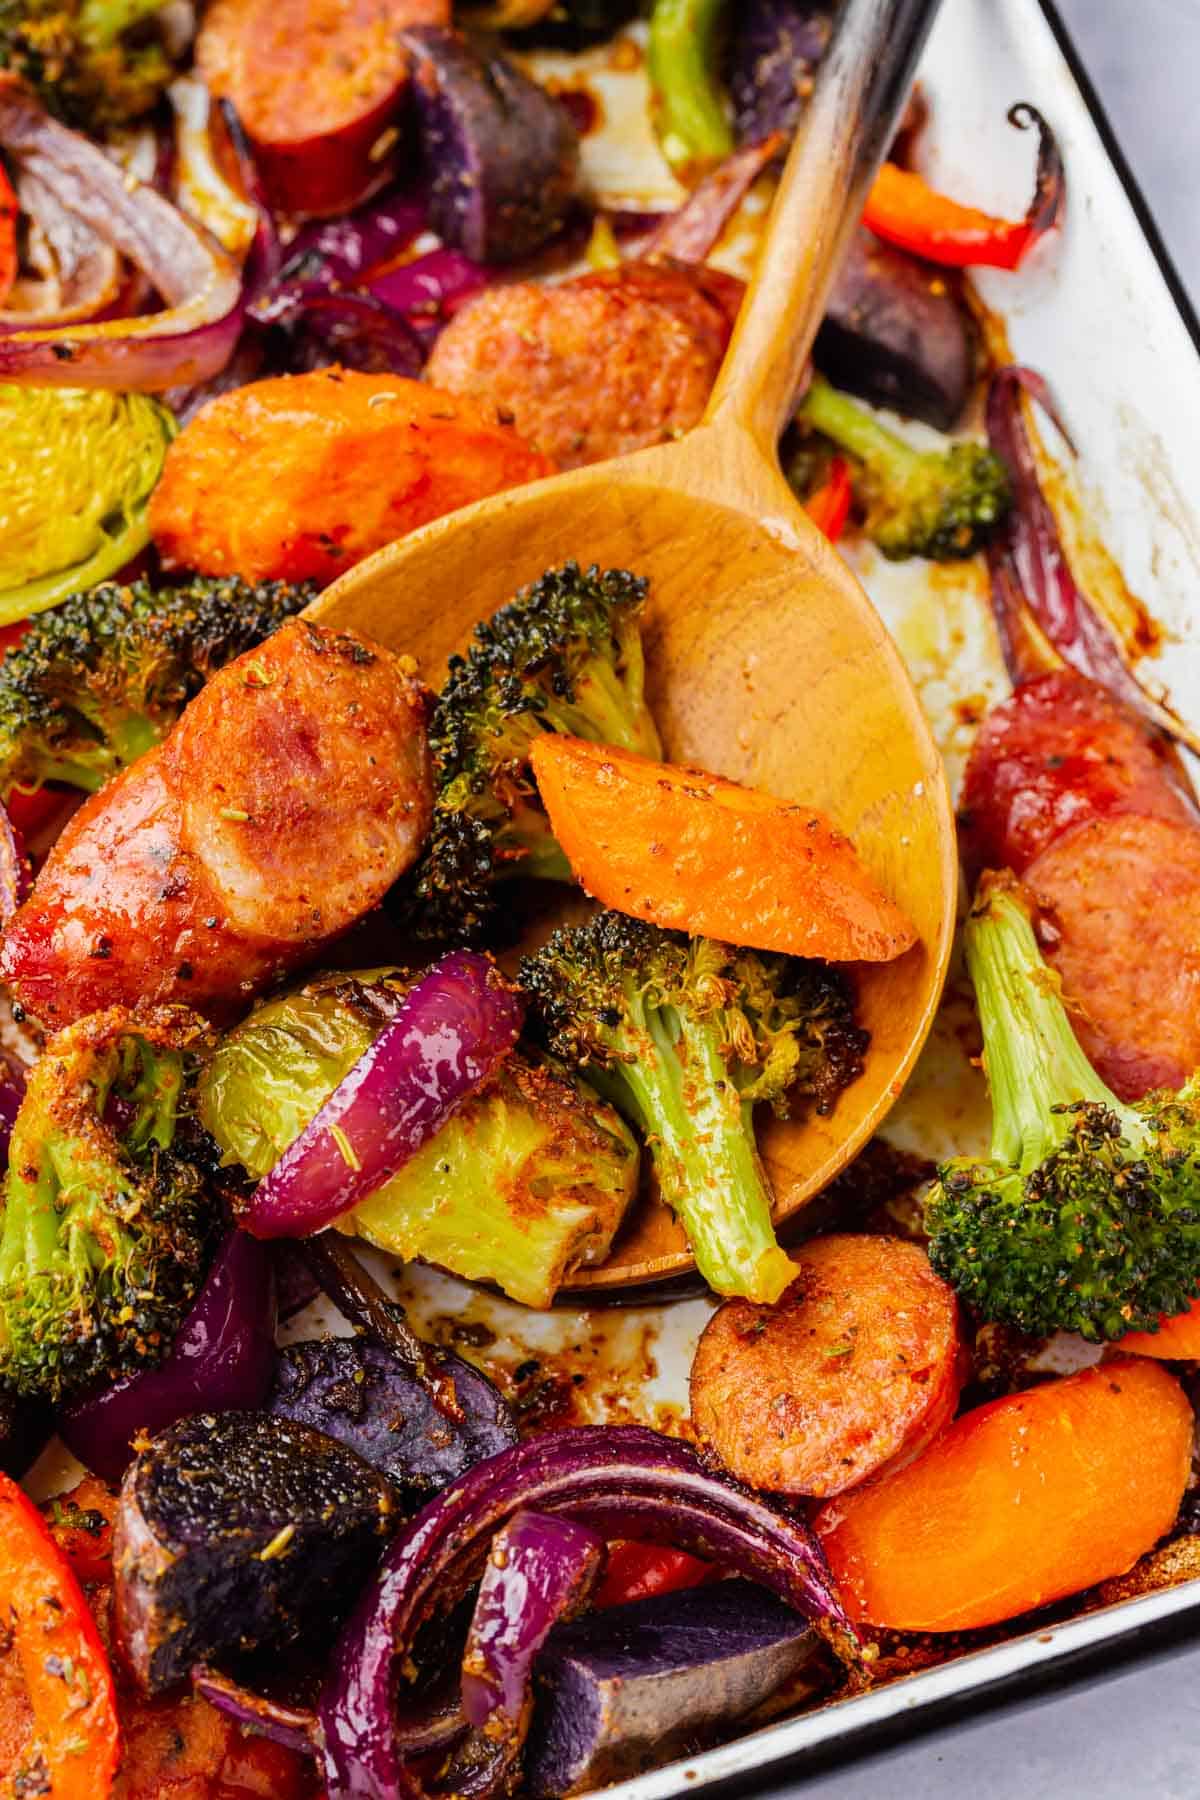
(843, 137)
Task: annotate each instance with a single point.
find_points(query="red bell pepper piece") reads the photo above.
(637, 1571)
(8, 235)
(905, 210)
(60, 1653)
(81, 1524)
(62, 1659)
(28, 810)
(829, 506)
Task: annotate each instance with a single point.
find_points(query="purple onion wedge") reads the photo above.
(454, 1026)
(1031, 578)
(12, 1092)
(688, 234)
(190, 340)
(540, 1570)
(295, 1727)
(222, 1359)
(339, 252)
(622, 1481)
(14, 868)
(355, 331)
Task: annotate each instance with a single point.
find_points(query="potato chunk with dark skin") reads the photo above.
(236, 1531)
(855, 1369)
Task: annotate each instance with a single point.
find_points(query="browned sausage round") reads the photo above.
(316, 83)
(289, 797)
(857, 1368)
(1120, 920)
(598, 366)
(1060, 752)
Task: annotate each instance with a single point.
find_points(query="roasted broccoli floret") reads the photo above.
(527, 1182)
(102, 677)
(1087, 1217)
(565, 655)
(684, 1036)
(942, 504)
(106, 1220)
(97, 64)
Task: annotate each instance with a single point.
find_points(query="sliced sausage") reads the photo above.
(598, 366)
(1120, 920)
(292, 793)
(1059, 753)
(857, 1368)
(316, 84)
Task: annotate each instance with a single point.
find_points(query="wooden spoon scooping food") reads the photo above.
(767, 663)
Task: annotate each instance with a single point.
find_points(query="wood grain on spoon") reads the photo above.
(767, 663)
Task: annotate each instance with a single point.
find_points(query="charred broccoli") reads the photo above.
(106, 1222)
(97, 64)
(684, 1036)
(102, 677)
(1087, 1217)
(528, 1181)
(942, 504)
(565, 655)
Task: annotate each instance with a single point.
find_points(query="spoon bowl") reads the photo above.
(766, 662)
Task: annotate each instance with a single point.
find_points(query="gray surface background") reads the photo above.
(1136, 1733)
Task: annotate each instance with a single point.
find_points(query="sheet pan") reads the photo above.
(1099, 309)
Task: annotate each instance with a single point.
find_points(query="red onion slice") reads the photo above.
(1031, 578)
(199, 187)
(690, 233)
(12, 1092)
(295, 1727)
(83, 276)
(190, 340)
(622, 1481)
(540, 1569)
(452, 1029)
(14, 868)
(222, 1359)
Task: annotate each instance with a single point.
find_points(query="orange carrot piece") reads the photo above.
(303, 475)
(1176, 1340)
(701, 854)
(1019, 1503)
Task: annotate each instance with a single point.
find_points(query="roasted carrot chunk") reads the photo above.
(304, 475)
(1019, 1503)
(701, 854)
(857, 1367)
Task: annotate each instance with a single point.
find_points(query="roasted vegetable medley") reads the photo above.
(330, 978)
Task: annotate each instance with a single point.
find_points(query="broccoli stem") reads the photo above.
(608, 710)
(851, 427)
(127, 740)
(692, 120)
(701, 1134)
(1033, 1058)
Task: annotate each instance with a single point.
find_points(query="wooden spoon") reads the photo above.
(767, 663)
